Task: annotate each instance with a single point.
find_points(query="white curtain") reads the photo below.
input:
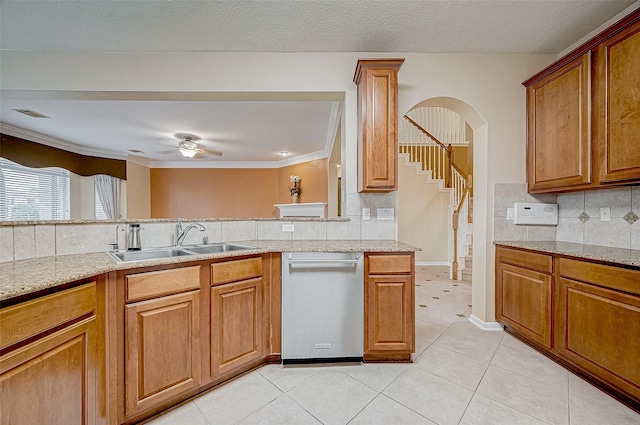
(108, 189)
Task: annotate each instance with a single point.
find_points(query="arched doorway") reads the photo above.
(483, 287)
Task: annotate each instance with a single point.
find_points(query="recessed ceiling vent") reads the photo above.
(31, 113)
(135, 151)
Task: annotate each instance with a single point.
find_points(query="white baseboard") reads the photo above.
(433, 263)
(485, 326)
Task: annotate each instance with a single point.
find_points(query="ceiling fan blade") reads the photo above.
(167, 151)
(210, 152)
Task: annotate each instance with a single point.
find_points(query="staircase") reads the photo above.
(430, 155)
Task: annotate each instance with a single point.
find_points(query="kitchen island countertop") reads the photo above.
(20, 278)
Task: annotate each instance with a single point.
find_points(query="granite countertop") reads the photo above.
(615, 256)
(24, 277)
(165, 220)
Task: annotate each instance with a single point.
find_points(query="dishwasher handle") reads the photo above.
(353, 261)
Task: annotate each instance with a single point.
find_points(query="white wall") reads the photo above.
(489, 83)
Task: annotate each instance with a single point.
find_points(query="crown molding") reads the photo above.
(57, 143)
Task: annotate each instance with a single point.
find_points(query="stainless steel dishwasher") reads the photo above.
(322, 307)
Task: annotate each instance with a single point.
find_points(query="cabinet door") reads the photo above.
(523, 302)
(377, 82)
(389, 314)
(237, 336)
(598, 330)
(558, 132)
(52, 380)
(162, 349)
(618, 105)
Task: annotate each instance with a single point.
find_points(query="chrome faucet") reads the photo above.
(182, 233)
(115, 245)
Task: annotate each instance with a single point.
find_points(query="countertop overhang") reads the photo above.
(24, 277)
(604, 254)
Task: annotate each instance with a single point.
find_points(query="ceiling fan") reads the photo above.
(189, 148)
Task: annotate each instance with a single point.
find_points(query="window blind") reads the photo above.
(33, 193)
(100, 214)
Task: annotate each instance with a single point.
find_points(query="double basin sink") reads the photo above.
(176, 251)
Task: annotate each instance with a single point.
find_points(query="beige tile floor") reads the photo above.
(460, 375)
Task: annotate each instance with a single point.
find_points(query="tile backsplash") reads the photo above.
(578, 216)
(24, 241)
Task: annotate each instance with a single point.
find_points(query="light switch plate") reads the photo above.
(605, 214)
(385, 213)
(287, 227)
(511, 213)
(366, 214)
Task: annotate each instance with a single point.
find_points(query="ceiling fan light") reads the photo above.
(188, 153)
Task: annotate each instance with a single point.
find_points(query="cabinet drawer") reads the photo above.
(531, 260)
(390, 263)
(151, 284)
(234, 270)
(30, 318)
(599, 274)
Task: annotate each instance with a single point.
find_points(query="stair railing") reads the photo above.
(439, 158)
(460, 216)
(434, 155)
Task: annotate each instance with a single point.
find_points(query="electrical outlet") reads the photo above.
(366, 213)
(287, 227)
(605, 214)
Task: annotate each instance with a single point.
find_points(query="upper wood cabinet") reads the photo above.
(583, 115)
(377, 81)
(617, 90)
(559, 143)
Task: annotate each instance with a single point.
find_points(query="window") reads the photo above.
(100, 214)
(33, 193)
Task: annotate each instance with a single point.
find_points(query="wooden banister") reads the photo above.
(431, 136)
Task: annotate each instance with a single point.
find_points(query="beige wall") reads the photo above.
(232, 192)
(422, 213)
(313, 179)
(138, 191)
(213, 192)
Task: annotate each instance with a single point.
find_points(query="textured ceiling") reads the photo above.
(524, 26)
(514, 26)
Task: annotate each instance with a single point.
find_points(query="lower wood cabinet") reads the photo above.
(162, 349)
(598, 327)
(389, 307)
(237, 336)
(162, 338)
(585, 315)
(53, 374)
(237, 315)
(523, 293)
